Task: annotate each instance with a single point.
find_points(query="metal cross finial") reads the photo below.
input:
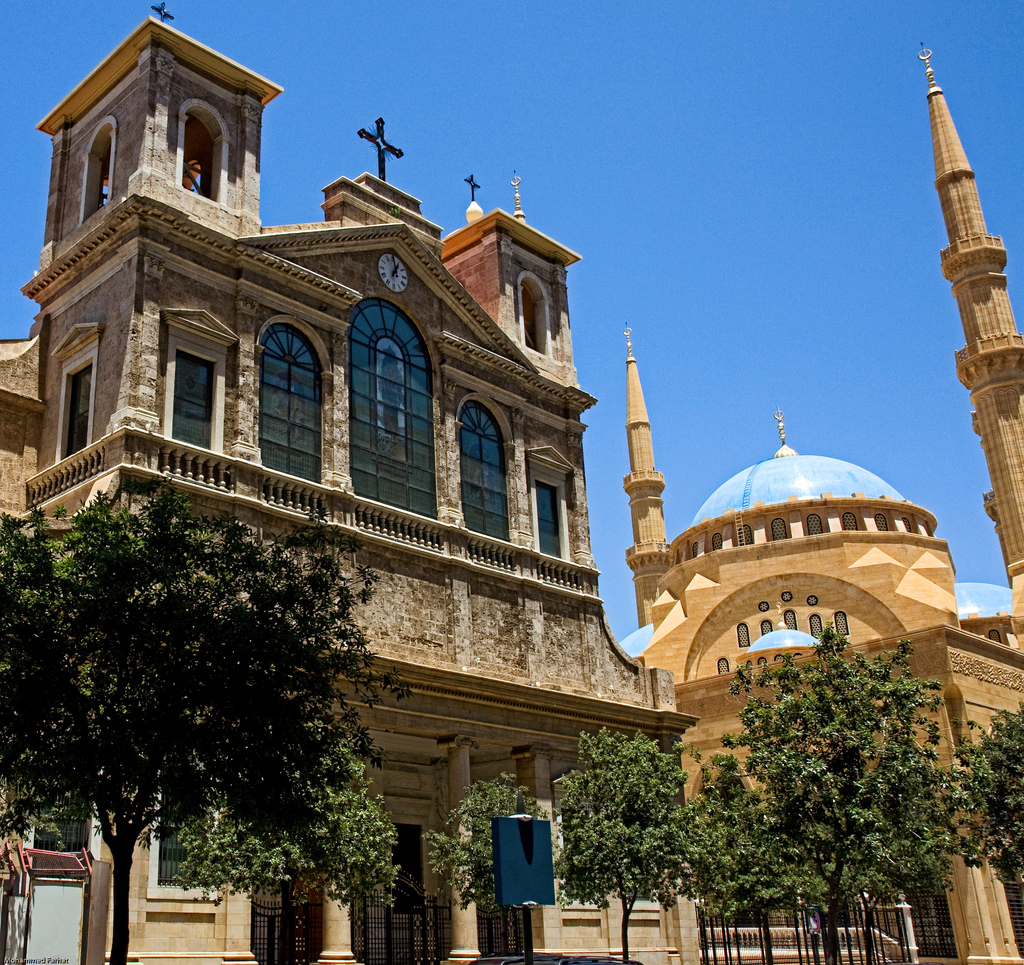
(162, 13)
(473, 186)
(515, 182)
(926, 56)
(782, 428)
(629, 345)
(383, 148)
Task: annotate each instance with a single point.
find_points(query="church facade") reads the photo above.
(796, 542)
(418, 390)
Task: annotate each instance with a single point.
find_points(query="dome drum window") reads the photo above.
(745, 536)
(995, 635)
(849, 521)
(779, 529)
(391, 413)
(693, 550)
(790, 618)
(716, 541)
(766, 627)
(881, 523)
(814, 527)
(907, 525)
(787, 596)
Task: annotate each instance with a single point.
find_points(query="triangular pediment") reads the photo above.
(200, 322)
(551, 458)
(77, 338)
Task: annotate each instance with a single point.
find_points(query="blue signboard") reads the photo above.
(523, 870)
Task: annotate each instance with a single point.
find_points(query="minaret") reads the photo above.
(649, 556)
(991, 364)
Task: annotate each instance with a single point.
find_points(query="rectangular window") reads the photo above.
(171, 856)
(63, 836)
(548, 522)
(78, 411)
(193, 400)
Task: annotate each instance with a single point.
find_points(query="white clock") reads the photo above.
(392, 272)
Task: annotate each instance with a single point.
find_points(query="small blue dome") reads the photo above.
(775, 480)
(784, 638)
(636, 643)
(985, 599)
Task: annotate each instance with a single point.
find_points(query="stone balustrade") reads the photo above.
(966, 244)
(138, 452)
(989, 342)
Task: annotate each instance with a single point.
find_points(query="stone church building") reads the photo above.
(795, 542)
(420, 391)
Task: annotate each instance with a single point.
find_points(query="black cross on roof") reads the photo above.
(383, 148)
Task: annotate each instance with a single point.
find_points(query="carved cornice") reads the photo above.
(991, 360)
(990, 673)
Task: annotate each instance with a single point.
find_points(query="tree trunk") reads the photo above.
(831, 944)
(627, 910)
(121, 851)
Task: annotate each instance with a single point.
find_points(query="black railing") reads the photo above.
(500, 932)
(933, 926)
(413, 929)
(271, 942)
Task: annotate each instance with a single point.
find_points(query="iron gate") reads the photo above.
(415, 929)
(499, 932)
(269, 939)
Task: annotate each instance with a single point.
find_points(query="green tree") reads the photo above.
(623, 833)
(993, 805)
(461, 852)
(157, 664)
(843, 752)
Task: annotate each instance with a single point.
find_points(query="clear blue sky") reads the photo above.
(750, 186)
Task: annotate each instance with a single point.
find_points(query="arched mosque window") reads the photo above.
(693, 550)
(881, 523)
(766, 627)
(743, 635)
(842, 625)
(814, 525)
(995, 635)
(779, 530)
(907, 525)
(849, 521)
(815, 623)
(790, 617)
(723, 665)
(716, 541)
(746, 535)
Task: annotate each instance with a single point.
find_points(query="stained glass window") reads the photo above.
(484, 492)
(779, 528)
(814, 525)
(743, 635)
(815, 622)
(290, 403)
(849, 521)
(841, 623)
(881, 522)
(193, 400)
(391, 415)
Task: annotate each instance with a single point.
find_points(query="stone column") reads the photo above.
(449, 474)
(533, 772)
(464, 935)
(576, 501)
(337, 934)
(246, 391)
(520, 524)
(238, 940)
(248, 189)
(340, 474)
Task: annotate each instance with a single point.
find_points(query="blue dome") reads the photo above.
(775, 480)
(636, 643)
(985, 599)
(784, 638)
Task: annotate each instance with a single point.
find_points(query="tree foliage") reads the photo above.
(461, 852)
(157, 664)
(848, 789)
(993, 805)
(622, 829)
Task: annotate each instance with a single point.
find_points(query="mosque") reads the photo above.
(796, 542)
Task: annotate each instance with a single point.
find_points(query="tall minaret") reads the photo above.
(649, 556)
(991, 365)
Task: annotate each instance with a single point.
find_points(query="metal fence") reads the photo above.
(274, 944)
(500, 932)
(415, 929)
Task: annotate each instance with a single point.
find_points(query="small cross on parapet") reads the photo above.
(383, 147)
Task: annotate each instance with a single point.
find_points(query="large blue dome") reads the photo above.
(775, 480)
(783, 637)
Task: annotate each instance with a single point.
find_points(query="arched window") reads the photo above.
(815, 623)
(814, 525)
(746, 535)
(723, 665)
(907, 525)
(762, 661)
(533, 315)
(693, 550)
(391, 415)
(779, 530)
(790, 617)
(842, 625)
(743, 635)
(99, 164)
(766, 627)
(484, 492)
(716, 541)
(290, 403)
(849, 521)
(995, 635)
(881, 523)
(199, 170)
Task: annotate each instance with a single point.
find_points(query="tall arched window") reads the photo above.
(99, 165)
(814, 525)
(881, 523)
(693, 550)
(533, 314)
(290, 403)
(815, 622)
(746, 535)
(391, 415)
(779, 530)
(841, 623)
(716, 541)
(766, 627)
(849, 521)
(907, 525)
(484, 492)
(790, 617)
(743, 635)
(198, 172)
(723, 665)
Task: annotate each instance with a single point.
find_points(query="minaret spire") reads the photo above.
(991, 364)
(648, 557)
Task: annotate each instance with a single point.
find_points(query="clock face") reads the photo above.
(392, 272)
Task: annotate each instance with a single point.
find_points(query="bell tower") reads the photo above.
(991, 364)
(649, 557)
